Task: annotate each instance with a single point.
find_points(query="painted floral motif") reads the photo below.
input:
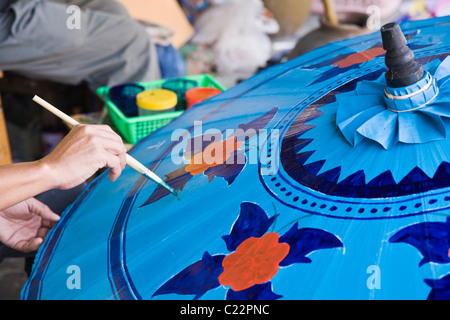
(255, 258)
(440, 288)
(432, 239)
(255, 261)
(359, 57)
(204, 160)
(208, 158)
(344, 62)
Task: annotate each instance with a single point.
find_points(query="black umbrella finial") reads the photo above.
(403, 69)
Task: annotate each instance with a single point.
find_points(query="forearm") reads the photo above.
(21, 181)
(85, 150)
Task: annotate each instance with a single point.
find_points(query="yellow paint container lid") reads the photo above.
(157, 100)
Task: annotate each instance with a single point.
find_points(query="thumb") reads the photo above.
(40, 209)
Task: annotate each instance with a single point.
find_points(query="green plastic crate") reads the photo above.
(135, 128)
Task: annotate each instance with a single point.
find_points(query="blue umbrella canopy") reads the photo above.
(299, 183)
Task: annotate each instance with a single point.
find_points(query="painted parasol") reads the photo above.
(326, 177)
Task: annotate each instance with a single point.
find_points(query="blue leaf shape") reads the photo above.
(256, 292)
(196, 279)
(228, 171)
(440, 288)
(252, 222)
(432, 239)
(251, 128)
(304, 241)
(176, 179)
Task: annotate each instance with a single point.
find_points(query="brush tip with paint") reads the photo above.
(150, 175)
(175, 192)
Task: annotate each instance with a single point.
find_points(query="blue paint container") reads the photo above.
(124, 97)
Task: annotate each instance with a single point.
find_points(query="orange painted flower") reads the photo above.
(359, 57)
(214, 154)
(255, 261)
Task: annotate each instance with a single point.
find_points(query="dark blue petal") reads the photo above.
(432, 239)
(305, 241)
(228, 171)
(256, 292)
(196, 279)
(176, 179)
(255, 125)
(252, 222)
(440, 288)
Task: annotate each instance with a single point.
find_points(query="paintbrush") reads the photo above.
(132, 162)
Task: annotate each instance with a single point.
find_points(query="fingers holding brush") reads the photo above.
(85, 150)
(116, 163)
(114, 146)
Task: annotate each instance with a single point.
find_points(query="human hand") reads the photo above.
(85, 150)
(24, 226)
